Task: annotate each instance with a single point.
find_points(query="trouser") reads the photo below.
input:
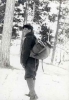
(31, 68)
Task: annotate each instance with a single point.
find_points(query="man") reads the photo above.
(30, 64)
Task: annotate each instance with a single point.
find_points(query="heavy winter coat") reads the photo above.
(27, 46)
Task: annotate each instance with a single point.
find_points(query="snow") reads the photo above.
(52, 84)
(51, 81)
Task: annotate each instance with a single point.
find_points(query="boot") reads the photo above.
(30, 96)
(29, 92)
(35, 97)
(31, 85)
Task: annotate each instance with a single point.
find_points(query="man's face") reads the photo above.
(26, 30)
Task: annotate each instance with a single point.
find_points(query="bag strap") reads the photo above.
(42, 65)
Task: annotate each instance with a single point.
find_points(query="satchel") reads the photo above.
(40, 50)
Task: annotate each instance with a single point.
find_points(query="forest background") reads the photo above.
(48, 17)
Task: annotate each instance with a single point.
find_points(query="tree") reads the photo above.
(6, 35)
(56, 35)
(26, 12)
(2, 13)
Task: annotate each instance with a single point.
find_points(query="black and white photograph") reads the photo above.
(34, 49)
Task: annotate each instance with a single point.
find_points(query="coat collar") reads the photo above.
(29, 34)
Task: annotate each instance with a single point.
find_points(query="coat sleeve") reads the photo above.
(27, 48)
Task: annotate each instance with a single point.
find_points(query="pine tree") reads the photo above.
(6, 35)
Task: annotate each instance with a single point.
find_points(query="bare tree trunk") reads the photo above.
(53, 54)
(7, 31)
(26, 13)
(33, 10)
(25, 20)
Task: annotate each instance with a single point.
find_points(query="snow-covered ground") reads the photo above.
(52, 84)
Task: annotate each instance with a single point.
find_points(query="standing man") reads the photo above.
(30, 64)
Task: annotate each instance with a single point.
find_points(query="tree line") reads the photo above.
(11, 15)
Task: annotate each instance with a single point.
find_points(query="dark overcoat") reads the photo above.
(30, 64)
